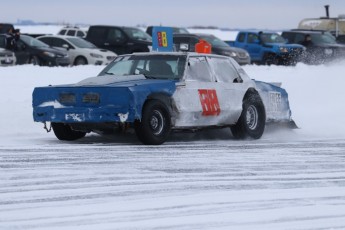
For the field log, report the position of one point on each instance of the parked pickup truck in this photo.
(268, 48)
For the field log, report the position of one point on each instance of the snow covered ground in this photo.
(288, 179)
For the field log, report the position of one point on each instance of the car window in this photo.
(214, 41)
(324, 38)
(299, 38)
(115, 35)
(58, 42)
(97, 32)
(80, 34)
(32, 41)
(137, 34)
(70, 32)
(241, 37)
(272, 38)
(223, 69)
(152, 66)
(81, 43)
(198, 70)
(47, 41)
(62, 32)
(252, 38)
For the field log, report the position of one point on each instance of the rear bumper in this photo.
(82, 115)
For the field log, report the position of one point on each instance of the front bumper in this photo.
(6, 60)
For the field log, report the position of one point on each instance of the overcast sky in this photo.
(263, 14)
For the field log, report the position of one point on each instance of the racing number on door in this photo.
(162, 39)
(209, 102)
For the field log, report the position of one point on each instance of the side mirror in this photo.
(184, 47)
(65, 46)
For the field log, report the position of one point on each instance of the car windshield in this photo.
(32, 41)
(137, 34)
(178, 30)
(272, 38)
(158, 66)
(214, 41)
(81, 43)
(324, 38)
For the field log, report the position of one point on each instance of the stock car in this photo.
(157, 93)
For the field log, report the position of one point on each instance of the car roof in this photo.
(186, 35)
(304, 31)
(59, 36)
(180, 53)
(110, 26)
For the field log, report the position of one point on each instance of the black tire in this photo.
(252, 120)
(270, 59)
(155, 125)
(80, 61)
(65, 133)
(34, 60)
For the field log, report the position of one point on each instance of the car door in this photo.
(22, 52)
(116, 40)
(196, 96)
(65, 45)
(230, 88)
(254, 46)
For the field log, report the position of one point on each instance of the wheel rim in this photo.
(252, 117)
(157, 122)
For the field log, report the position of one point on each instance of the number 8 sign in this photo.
(162, 39)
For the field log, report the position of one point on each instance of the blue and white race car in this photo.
(156, 93)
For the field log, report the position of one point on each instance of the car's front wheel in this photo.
(252, 120)
(65, 133)
(80, 61)
(155, 125)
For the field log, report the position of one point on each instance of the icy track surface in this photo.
(289, 179)
(180, 185)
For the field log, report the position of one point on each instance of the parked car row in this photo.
(102, 43)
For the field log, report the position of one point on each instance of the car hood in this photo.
(130, 81)
(337, 46)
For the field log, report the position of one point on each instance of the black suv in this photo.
(121, 40)
(5, 27)
(219, 47)
(323, 47)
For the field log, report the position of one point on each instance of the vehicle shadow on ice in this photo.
(179, 137)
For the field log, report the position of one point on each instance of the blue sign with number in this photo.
(162, 39)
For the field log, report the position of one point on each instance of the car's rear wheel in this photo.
(155, 125)
(65, 133)
(252, 120)
(80, 61)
